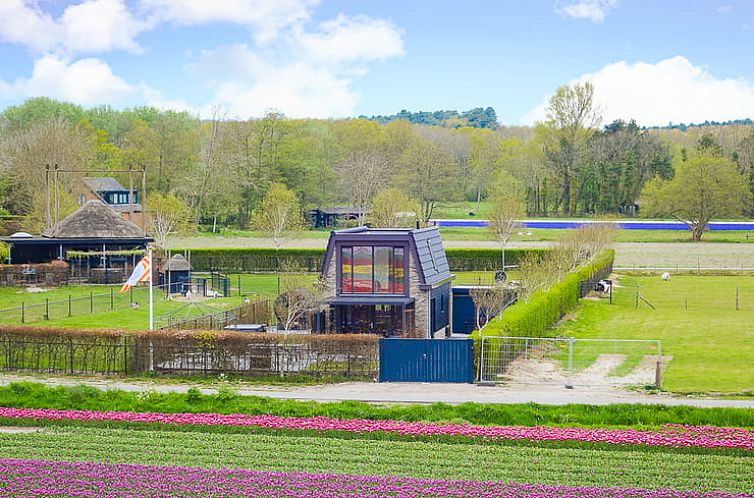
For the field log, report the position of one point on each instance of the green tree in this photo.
(278, 215)
(703, 188)
(429, 173)
(572, 116)
(391, 208)
(506, 211)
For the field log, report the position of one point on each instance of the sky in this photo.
(655, 61)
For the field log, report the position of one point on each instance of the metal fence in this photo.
(570, 362)
(248, 313)
(76, 306)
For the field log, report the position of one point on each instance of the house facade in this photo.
(392, 282)
(113, 194)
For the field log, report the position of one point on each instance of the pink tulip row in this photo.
(34, 478)
(667, 436)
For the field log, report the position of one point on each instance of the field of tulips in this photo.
(672, 436)
(625, 467)
(24, 478)
(87, 453)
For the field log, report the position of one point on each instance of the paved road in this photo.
(409, 392)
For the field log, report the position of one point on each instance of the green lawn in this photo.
(712, 344)
(566, 466)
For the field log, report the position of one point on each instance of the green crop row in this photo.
(566, 466)
(536, 317)
(34, 395)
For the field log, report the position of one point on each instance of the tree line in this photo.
(219, 170)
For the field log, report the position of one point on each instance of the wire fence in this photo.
(256, 312)
(76, 306)
(570, 362)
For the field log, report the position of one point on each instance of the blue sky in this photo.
(655, 61)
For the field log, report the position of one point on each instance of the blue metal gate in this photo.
(427, 360)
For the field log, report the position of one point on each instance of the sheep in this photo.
(665, 276)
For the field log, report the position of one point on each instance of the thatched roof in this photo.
(177, 263)
(94, 220)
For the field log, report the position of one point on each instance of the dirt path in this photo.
(554, 394)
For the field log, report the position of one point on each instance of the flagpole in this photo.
(151, 294)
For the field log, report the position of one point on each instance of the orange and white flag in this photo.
(142, 273)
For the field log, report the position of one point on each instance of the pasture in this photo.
(697, 318)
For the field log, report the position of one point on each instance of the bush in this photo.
(544, 309)
(310, 260)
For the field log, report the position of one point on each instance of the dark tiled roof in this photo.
(94, 220)
(431, 255)
(103, 184)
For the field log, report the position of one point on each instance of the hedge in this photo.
(123, 352)
(310, 260)
(536, 317)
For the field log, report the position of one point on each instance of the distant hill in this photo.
(477, 118)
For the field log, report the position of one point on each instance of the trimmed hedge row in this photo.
(310, 260)
(544, 309)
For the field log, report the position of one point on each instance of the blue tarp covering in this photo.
(625, 225)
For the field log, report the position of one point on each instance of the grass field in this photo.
(712, 343)
(96, 312)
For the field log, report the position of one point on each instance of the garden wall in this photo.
(310, 260)
(119, 352)
(537, 317)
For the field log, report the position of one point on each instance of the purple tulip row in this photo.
(27, 478)
(667, 436)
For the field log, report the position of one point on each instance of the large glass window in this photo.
(362, 269)
(372, 270)
(398, 275)
(382, 268)
(346, 268)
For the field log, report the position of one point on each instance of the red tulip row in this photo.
(667, 436)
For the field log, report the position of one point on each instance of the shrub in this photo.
(536, 317)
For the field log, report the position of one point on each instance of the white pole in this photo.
(151, 300)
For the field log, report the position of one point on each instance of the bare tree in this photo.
(363, 173)
(504, 219)
(167, 215)
(488, 302)
(299, 298)
(212, 159)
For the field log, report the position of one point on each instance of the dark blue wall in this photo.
(441, 310)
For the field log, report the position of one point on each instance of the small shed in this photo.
(176, 272)
(329, 217)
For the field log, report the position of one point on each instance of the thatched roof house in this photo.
(94, 233)
(94, 219)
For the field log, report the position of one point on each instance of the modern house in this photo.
(99, 245)
(113, 194)
(392, 282)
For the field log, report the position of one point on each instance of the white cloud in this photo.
(268, 17)
(90, 26)
(352, 39)
(308, 75)
(251, 84)
(671, 90)
(594, 10)
(86, 82)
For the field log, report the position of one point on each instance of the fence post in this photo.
(69, 305)
(569, 379)
(111, 298)
(47, 308)
(91, 302)
(23, 313)
(658, 371)
(70, 352)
